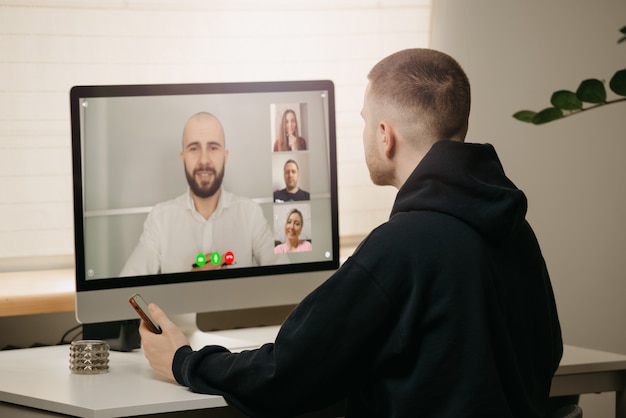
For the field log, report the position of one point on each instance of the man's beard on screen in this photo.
(204, 190)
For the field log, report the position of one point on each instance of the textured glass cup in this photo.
(89, 357)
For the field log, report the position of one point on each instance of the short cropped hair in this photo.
(291, 161)
(425, 86)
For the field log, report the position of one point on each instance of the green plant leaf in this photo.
(566, 100)
(547, 115)
(618, 83)
(525, 115)
(591, 91)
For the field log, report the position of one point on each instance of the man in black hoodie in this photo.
(446, 310)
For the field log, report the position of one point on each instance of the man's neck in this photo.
(292, 191)
(206, 206)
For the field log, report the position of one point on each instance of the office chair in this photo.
(568, 411)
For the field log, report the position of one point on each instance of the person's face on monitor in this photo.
(290, 123)
(291, 176)
(293, 227)
(204, 155)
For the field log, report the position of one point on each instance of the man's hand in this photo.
(159, 349)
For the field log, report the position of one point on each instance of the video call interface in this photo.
(278, 164)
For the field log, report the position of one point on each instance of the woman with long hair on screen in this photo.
(289, 138)
(293, 228)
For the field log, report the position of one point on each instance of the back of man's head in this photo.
(427, 89)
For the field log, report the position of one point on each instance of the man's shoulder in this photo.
(181, 201)
(286, 196)
(282, 195)
(418, 219)
(230, 197)
(414, 228)
(231, 200)
(424, 220)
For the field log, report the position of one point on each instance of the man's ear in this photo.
(388, 138)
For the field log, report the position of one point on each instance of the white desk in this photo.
(583, 370)
(40, 379)
(37, 382)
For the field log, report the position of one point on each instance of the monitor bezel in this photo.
(249, 276)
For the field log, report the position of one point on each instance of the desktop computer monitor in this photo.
(137, 229)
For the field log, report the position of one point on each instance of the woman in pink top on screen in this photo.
(293, 227)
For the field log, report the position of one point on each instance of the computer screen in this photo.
(273, 236)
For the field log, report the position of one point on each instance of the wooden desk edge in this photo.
(48, 291)
(37, 292)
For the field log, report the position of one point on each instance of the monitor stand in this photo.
(120, 335)
(234, 339)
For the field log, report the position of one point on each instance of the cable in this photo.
(62, 342)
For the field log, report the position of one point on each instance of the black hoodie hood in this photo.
(465, 181)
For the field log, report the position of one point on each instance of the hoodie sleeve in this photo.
(321, 348)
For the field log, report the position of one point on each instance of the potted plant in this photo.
(591, 94)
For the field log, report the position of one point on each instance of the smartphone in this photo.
(141, 307)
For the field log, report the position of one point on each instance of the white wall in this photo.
(516, 55)
(49, 46)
